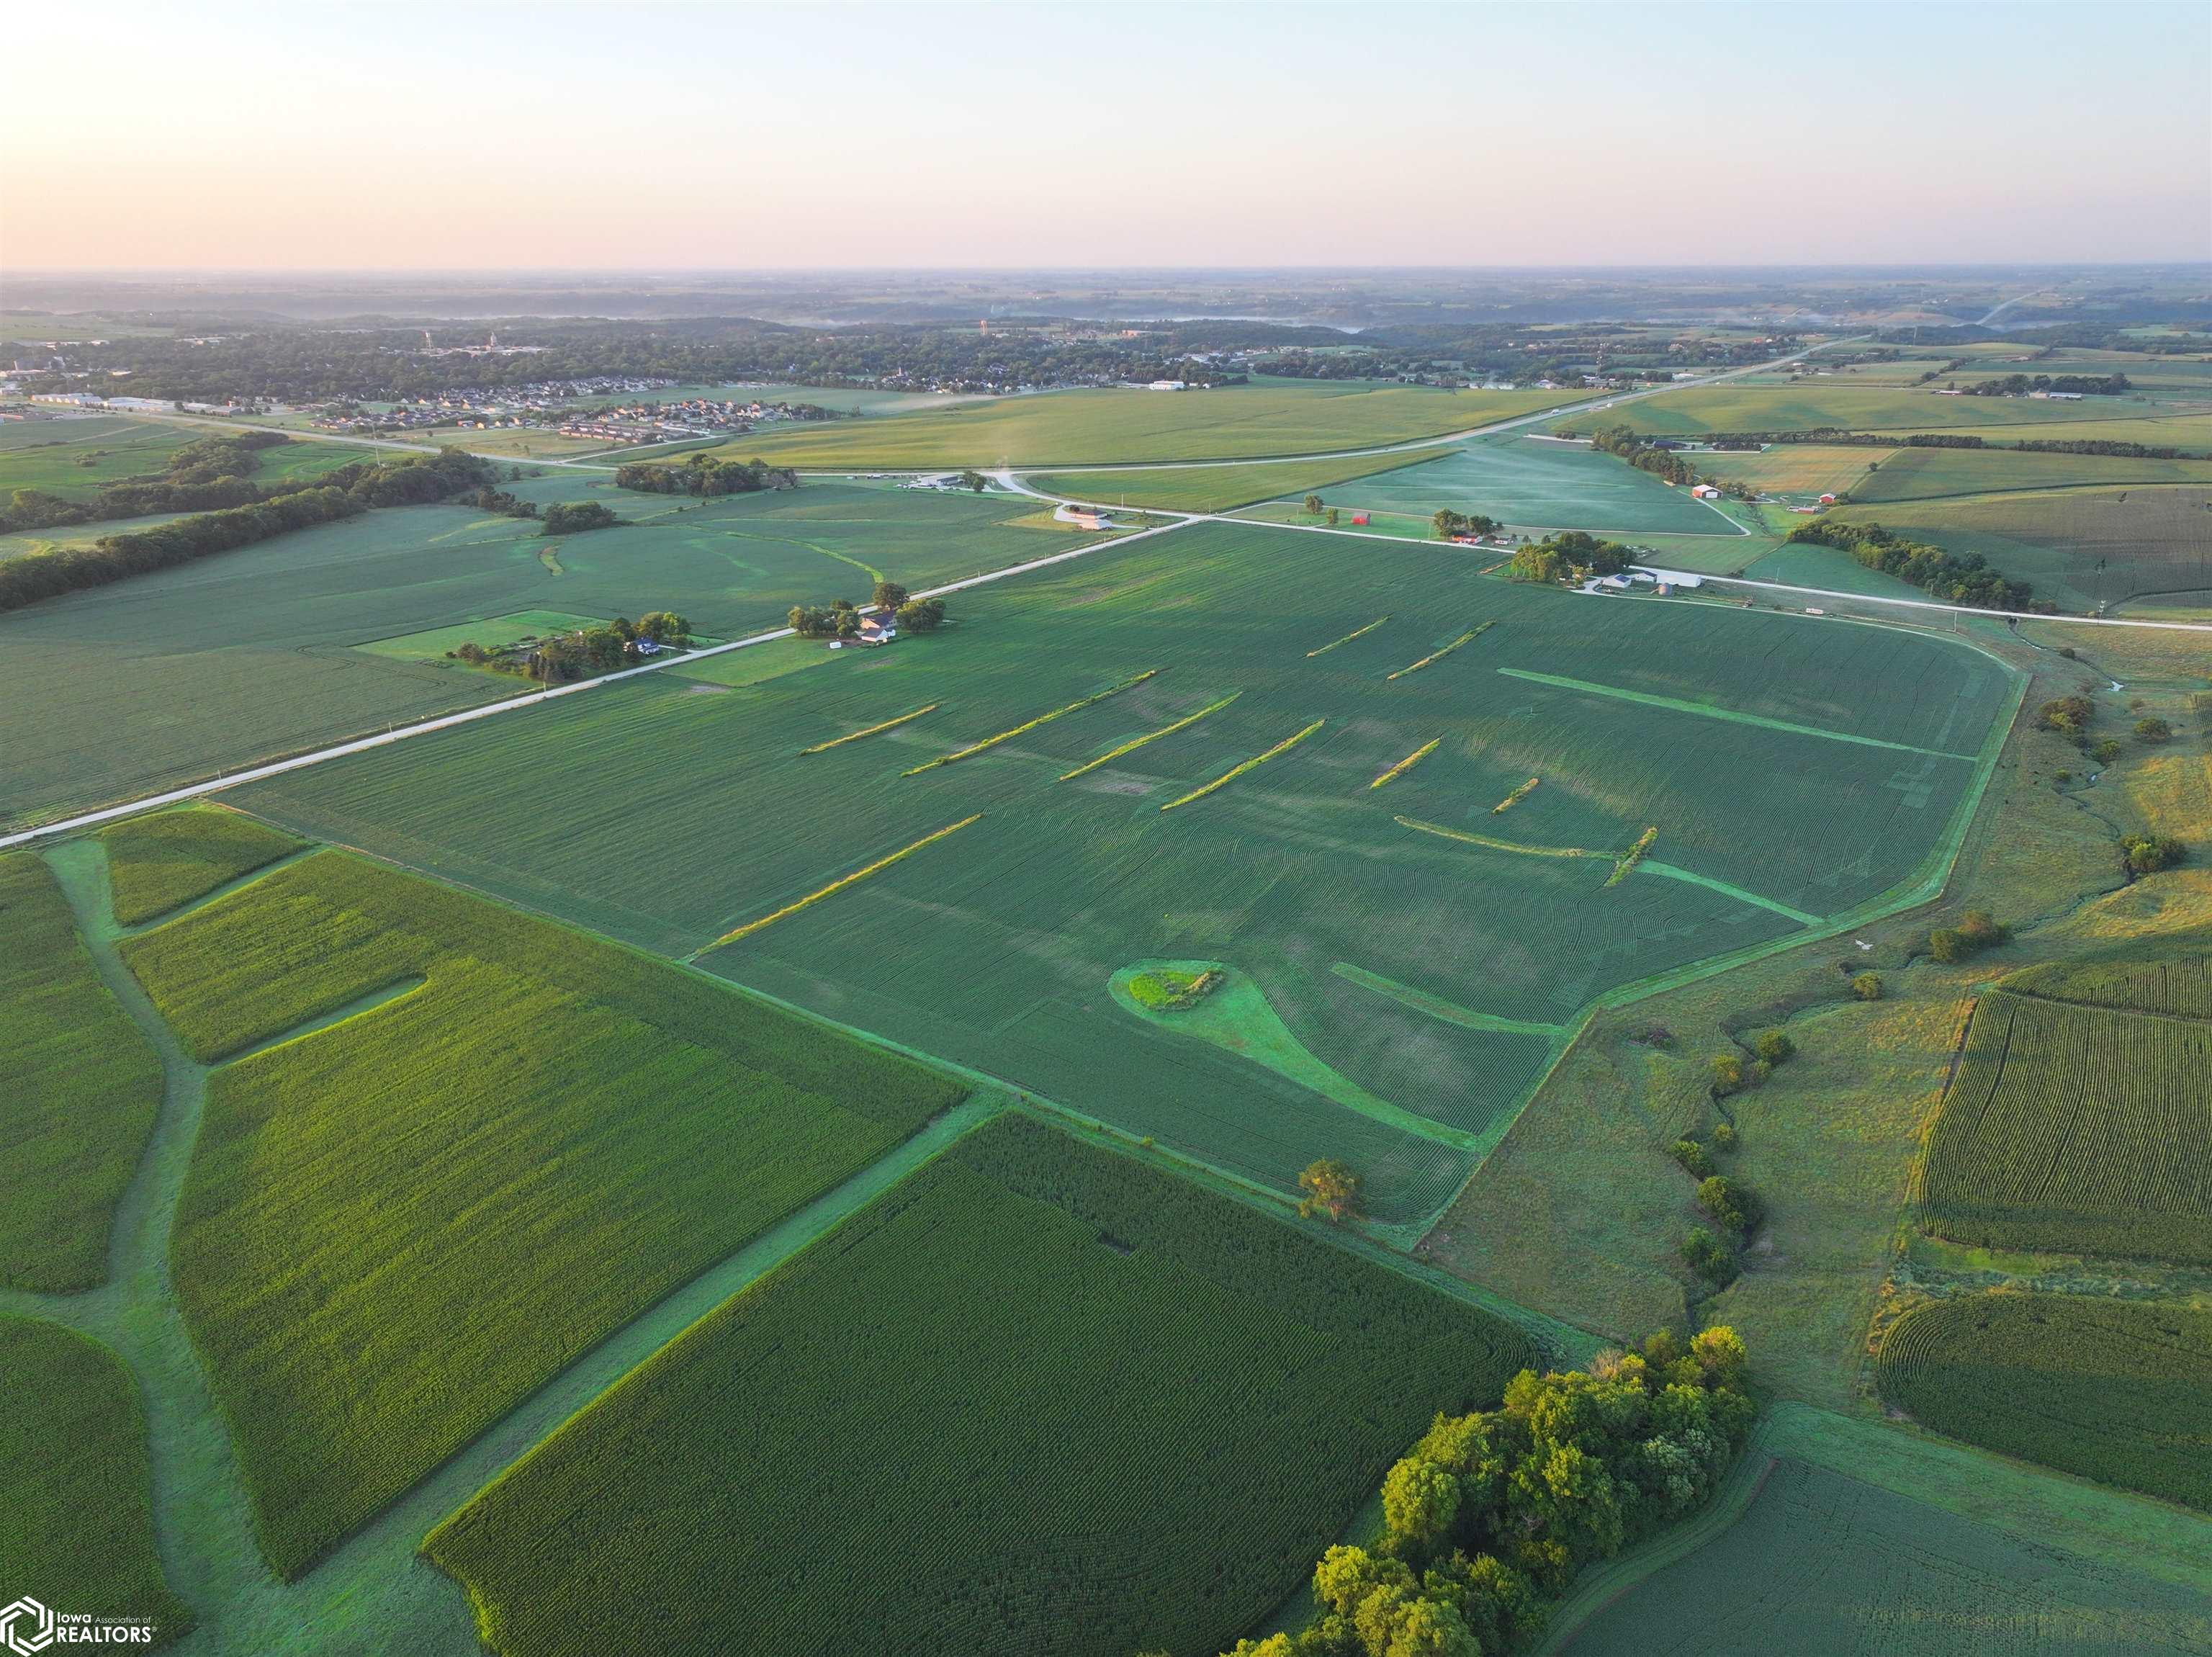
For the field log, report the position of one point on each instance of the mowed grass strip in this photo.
(841, 883)
(1407, 762)
(1253, 764)
(854, 736)
(1135, 743)
(1030, 725)
(79, 1090)
(2079, 1130)
(1355, 633)
(397, 1227)
(2116, 1390)
(1710, 710)
(157, 863)
(1438, 655)
(76, 1532)
(1219, 1389)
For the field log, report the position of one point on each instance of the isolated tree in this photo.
(1331, 516)
(1774, 1047)
(974, 479)
(1313, 505)
(1867, 986)
(2146, 853)
(1332, 1190)
(888, 595)
(1727, 1073)
(2154, 730)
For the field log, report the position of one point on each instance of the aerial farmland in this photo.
(1504, 952)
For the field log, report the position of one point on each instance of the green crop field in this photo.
(1796, 468)
(79, 1088)
(76, 1532)
(73, 458)
(170, 677)
(1527, 482)
(1038, 1397)
(2085, 1129)
(1821, 1565)
(1077, 428)
(563, 1131)
(996, 946)
(435, 644)
(2152, 545)
(2116, 1390)
(1812, 404)
(158, 863)
(1215, 489)
(1916, 474)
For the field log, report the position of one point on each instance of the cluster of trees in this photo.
(2146, 854)
(1959, 578)
(702, 474)
(841, 618)
(573, 517)
(489, 499)
(1448, 522)
(1644, 457)
(1977, 930)
(1329, 1189)
(343, 494)
(205, 476)
(2082, 385)
(592, 650)
(1570, 555)
(1488, 1519)
(2106, 446)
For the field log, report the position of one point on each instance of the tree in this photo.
(2154, 730)
(888, 595)
(919, 615)
(2146, 854)
(1332, 515)
(1774, 1047)
(1692, 1157)
(1727, 1073)
(1867, 986)
(2069, 715)
(572, 517)
(1420, 1500)
(1332, 1189)
(973, 479)
(1313, 505)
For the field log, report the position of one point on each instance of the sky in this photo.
(460, 136)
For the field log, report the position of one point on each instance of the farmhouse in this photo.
(874, 629)
(1083, 517)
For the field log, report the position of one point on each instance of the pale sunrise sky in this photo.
(457, 136)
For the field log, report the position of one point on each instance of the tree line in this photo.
(1834, 435)
(203, 476)
(704, 475)
(2079, 385)
(344, 493)
(1489, 1519)
(1959, 578)
(1568, 555)
(1661, 462)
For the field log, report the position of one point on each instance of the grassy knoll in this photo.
(316, 636)
(994, 949)
(1075, 428)
(79, 1088)
(1823, 1565)
(1525, 481)
(2081, 1128)
(77, 1533)
(158, 863)
(2154, 543)
(2116, 1390)
(1083, 1499)
(1811, 405)
(1214, 489)
(580, 1127)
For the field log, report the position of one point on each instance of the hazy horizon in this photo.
(474, 139)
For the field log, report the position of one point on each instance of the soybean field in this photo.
(1037, 1397)
(1794, 771)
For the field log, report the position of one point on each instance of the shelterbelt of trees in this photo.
(701, 474)
(344, 493)
(1957, 578)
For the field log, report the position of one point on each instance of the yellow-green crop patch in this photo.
(562, 1132)
(79, 1088)
(1078, 428)
(1219, 1391)
(157, 862)
(492, 633)
(76, 1532)
(1217, 488)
